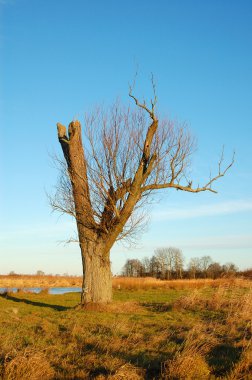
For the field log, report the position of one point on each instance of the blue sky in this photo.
(60, 58)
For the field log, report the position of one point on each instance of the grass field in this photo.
(185, 330)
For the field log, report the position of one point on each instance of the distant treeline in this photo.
(169, 264)
(40, 273)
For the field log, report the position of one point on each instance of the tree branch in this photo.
(143, 105)
(189, 188)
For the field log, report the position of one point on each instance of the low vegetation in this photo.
(153, 329)
(41, 281)
(9, 282)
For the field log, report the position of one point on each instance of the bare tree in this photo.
(128, 155)
(215, 270)
(205, 262)
(229, 269)
(164, 262)
(194, 267)
(155, 268)
(146, 266)
(133, 268)
(170, 261)
(40, 273)
(178, 262)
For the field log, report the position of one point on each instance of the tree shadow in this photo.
(223, 357)
(148, 361)
(157, 307)
(35, 303)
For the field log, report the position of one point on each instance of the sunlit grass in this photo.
(157, 332)
(29, 281)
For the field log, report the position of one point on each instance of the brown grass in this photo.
(229, 297)
(189, 361)
(127, 372)
(150, 282)
(243, 367)
(29, 281)
(28, 365)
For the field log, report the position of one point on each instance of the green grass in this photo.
(144, 334)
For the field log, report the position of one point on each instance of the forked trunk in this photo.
(97, 277)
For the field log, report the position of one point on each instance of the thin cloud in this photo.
(224, 208)
(214, 242)
(239, 241)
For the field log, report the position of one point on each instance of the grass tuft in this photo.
(189, 361)
(28, 364)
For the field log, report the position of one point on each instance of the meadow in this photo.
(181, 329)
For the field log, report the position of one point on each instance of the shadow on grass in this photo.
(157, 307)
(35, 303)
(150, 362)
(223, 357)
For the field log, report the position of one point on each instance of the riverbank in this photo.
(21, 281)
(31, 281)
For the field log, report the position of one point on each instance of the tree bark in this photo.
(97, 277)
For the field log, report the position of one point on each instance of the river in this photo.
(38, 290)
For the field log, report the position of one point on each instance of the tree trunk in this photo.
(97, 277)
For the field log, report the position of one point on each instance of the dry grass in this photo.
(30, 281)
(242, 369)
(234, 298)
(228, 311)
(189, 361)
(129, 307)
(157, 332)
(153, 283)
(127, 372)
(28, 365)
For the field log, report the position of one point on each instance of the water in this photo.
(64, 290)
(38, 290)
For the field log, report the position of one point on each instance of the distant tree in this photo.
(205, 262)
(170, 261)
(229, 269)
(214, 270)
(194, 267)
(104, 187)
(133, 268)
(247, 273)
(178, 262)
(146, 266)
(40, 273)
(164, 260)
(155, 269)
